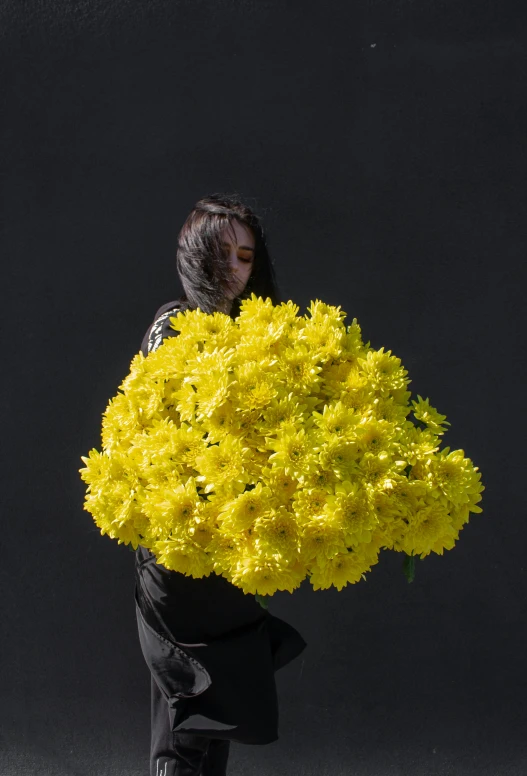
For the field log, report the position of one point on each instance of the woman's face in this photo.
(239, 247)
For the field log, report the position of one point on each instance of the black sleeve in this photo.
(160, 328)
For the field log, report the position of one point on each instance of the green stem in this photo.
(409, 567)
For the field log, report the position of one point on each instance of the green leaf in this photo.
(262, 600)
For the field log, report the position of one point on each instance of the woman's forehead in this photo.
(238, 232)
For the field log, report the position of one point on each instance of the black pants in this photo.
(182, 754)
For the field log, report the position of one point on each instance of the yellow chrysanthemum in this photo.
(355, 392)
(428, 527)
(325, 479)
(262, 344)
(352, 342)
(323, 338)
(321, 312)
(453, 476)
(214, 329)
(184, 556)
(240, 513)
(351, 510)
(262, 331)
(309, 502)
(122, 419)
(206, 363)
(211, 394)
(282, 485)
(429, 415)
(406, 496)
(337, 454)
(383, 371)
(373, 469)
(97, 469)
(343, 568)
(223, 465)
(386, 408)
(256, 310)
(220, 422)
(226, 548)
(333, 376)
(187, 443)
(278, 533)
(416, 446)
(322, 539)
(252, 390)
(193, 324)
(172, 507)
(275, 446)
(338, 420)
(265, 575)
(300, 369)
(293, 452)
(281, 410)
(186, 402)
(460, 515)
(383, 506)
(374, 436)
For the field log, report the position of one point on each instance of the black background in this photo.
(384, 145)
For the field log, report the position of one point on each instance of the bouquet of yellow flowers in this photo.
(273, 447)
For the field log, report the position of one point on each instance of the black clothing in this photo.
(160, 326)
(181, 754)
(212, 651)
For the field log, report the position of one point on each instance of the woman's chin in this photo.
(231, 294)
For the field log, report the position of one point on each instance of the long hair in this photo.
(202, 266)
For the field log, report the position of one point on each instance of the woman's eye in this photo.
(246, 258)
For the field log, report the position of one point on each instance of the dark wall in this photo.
(384, 145)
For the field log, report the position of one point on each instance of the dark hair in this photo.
(201, 262)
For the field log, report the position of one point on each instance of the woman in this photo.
(212, 650)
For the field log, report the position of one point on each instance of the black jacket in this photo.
(211, 648)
